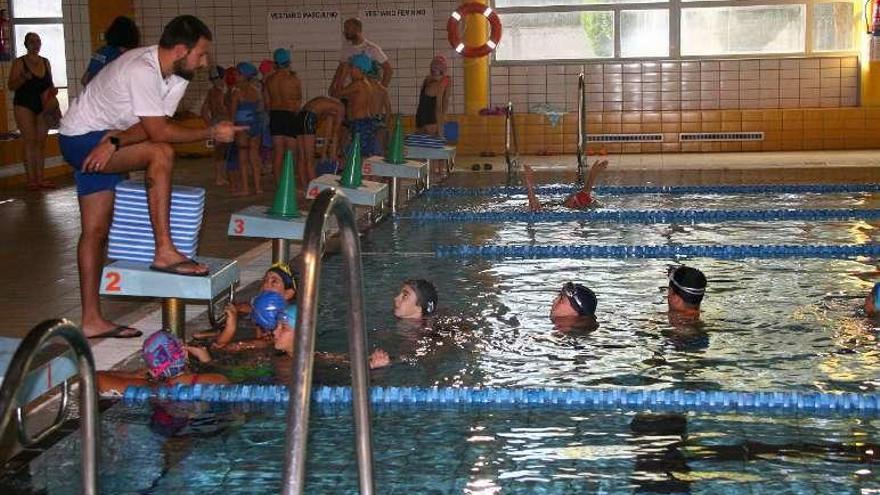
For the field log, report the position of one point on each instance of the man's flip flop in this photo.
(120, 332)
(174, 268)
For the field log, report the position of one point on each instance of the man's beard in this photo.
(351, 37)
(180, 70)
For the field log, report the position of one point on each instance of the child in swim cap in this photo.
(579, 200)
(166, 359)
(687, 286)
(417, 299)
(278, 279)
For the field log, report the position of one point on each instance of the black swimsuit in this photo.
(426, 114)
(30, 94)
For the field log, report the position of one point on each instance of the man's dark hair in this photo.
(123, 33)
(689, 284)
(184, 30)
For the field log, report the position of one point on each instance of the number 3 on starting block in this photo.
(113, 281)
(238, 227)
(368, 168)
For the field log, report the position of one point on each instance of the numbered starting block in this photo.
(410, 170)
(446, 153)
(371, 194)
(136, 279)
(256, 221)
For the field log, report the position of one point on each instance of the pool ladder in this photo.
(329, 202)
(88, 392)
(581, 126)
(511, 149)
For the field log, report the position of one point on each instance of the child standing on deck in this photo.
(245, 110)
(213, 111)
(359, 114)
(433, 99)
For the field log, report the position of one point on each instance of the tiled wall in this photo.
(688, 85)
(240, 33)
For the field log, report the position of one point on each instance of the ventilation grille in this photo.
(721, 136)
(624, 138)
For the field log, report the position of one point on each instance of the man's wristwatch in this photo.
(115, 142)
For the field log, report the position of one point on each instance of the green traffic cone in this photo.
(352, 175)
(394, 153)
(285, 197)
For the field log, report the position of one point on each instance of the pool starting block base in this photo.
(370, 193)
(421, 153)
(411, 170)
(130, 278)
(256, 221)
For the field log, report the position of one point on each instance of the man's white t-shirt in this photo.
(369, 48)
(130, 87)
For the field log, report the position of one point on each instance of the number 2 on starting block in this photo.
(113, 280)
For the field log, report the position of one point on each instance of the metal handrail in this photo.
(14, 380)
(582, 125)
(511, 148)
(328, 202)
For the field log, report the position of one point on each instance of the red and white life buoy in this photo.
(455, 37)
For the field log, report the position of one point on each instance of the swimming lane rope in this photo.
(644, 216)
(654, 189)
(665, 251)
(814, 402)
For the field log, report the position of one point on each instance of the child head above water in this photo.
(872, 302)
(417, 299)
(165, 355)
(279, 278)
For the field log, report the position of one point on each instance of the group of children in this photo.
(268, 101)
(273, 313)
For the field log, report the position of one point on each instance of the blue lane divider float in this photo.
(598, 398)
(652, 189)
(666, 251)
(645, 216)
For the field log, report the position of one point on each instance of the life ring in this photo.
(455, 37)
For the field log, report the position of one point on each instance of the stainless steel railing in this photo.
(328, 202)
(582, 126)
(511, 148)
(14, 380)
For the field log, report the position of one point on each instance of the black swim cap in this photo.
(689, 283)
(581, 298)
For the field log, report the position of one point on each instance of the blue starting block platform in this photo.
(45, 374)
(136, 279)
(433, 153)
(409, 170)
(370, 193)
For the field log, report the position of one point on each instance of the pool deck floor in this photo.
(40, 229)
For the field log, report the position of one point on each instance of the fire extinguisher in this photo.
(5, 54)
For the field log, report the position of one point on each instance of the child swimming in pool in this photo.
(872, 302)
(166, 358)
(579, 200)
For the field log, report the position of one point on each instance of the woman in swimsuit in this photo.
(30, 77)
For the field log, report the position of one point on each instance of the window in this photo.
(43, 17)
(621, 29)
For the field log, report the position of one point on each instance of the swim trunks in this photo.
(283, 123)
(75, 149)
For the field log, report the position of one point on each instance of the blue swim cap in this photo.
(281, 56)
(362, 61)
(876, 292)
(267, 308)
(247, 69)
(290, 314)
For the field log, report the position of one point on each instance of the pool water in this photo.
(212, 449)
(777, 324)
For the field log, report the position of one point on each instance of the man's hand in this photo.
(97, 159)
(224, 131)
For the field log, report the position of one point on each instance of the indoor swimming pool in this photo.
(782, 324)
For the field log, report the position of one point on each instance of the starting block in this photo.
(411, 170)
(370, 193)
(443, 153)
(256, 221)
(130, 278)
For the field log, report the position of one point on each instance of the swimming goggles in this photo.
(570, 292)
(670, 274)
